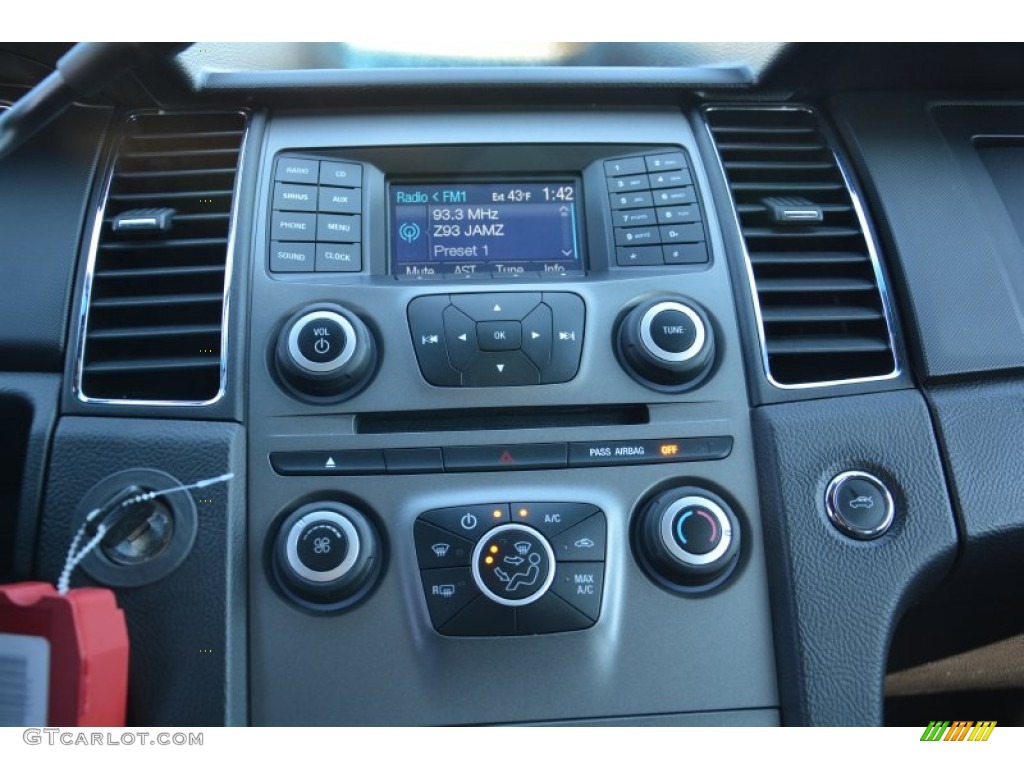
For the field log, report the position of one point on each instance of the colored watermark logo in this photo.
(958, 730)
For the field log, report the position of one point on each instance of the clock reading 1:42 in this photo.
(564, 194)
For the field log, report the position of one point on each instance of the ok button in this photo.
(499, 335)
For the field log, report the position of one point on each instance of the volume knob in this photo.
(325, 353)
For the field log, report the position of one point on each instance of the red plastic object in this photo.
(88, 648)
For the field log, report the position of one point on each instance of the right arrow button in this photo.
(536, 339)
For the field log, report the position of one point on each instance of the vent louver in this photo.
(817, 282)
(153, 328)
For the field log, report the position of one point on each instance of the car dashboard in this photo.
(578, 395)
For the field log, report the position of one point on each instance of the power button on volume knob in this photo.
(325, 353)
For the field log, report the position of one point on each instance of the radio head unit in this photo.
(463, 228)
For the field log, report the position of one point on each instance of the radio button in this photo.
(496, 306)
(459, 337)
(297, 169)
(537, 336)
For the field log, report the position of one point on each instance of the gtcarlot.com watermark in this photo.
(77, 738)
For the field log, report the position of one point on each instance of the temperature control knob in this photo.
(687, 539)
(327, 556)
(666, 344)
(325, 353)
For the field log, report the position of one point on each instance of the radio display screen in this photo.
(492, 228)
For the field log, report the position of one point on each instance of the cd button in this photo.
(341, 174)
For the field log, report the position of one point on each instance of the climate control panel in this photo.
(524, 568)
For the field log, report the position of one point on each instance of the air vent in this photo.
(154, 310)
(816, 278)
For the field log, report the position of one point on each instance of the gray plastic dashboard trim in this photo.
(866, 232)
(90, 268)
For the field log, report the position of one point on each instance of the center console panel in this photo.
(500, 460)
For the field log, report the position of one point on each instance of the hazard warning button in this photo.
(489, 458)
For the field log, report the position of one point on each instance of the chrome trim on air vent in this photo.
(866, 232)
(83, 319)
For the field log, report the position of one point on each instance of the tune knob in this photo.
(325, 353)
(327, 556)
(666, 344)
(687, 539)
